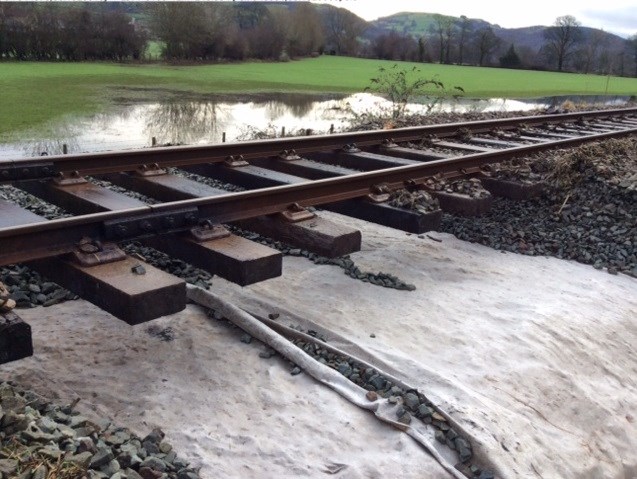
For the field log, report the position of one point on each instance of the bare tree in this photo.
(632, 43)
(465, 29)
(305, 34)
(487, 42)
(562, 38)
(587, 57)
(444, 29)
(342, 29)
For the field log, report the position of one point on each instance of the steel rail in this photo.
(38, 240)
(47, 167)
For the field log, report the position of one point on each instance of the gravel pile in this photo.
(189, 273)
(384, 280)
(419, 200)
(520, 172)
(41, 440)
(29, 289)
(32, 203)
(471, 187)
(587, 213)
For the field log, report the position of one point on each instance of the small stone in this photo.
(82, 459)
(438, 417)
(156, 436)
(8, 467)
(295, 371)
(393, 400)
(165, 447)
(371, 396)
(411, 401)
(273, 316)
(132, 474)
(405, 418)
(101, 458)
(154, 463)
(111, 468)
(424, 411)
(246, 338)
(378, 383)
(138, 269)
(345, 369)
(440, 437)
(267, 354)
(486, 475)
(372, 335)
(186, 474)
(464, 453)
(150, 447)
(40, 472)
(147, 473)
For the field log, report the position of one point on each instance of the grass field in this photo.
(34, 93)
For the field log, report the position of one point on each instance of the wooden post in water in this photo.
(65, 149)
(223, 137)
(282, 131)
(154, 141)
(332, 129)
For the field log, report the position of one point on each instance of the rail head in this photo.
(175, 156)
(44, 239)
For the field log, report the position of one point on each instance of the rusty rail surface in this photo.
(45, 239)
(47, 167)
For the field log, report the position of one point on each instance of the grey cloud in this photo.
(622, 21)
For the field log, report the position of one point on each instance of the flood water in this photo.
(205, 121)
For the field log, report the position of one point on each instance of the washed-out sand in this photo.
(536, 358)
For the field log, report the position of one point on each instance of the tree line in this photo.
(217, 31)
(50, 31)
(567, 46)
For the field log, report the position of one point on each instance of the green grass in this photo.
(32, 94)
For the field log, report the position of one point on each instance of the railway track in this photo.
(352, 173)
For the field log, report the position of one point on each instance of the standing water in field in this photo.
(190, 121)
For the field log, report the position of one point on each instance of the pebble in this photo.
(28, 422)
(296, 370)
(371, 396)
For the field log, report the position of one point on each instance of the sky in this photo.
(615, 16)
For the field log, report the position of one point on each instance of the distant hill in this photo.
(415, 24)
(419, 24)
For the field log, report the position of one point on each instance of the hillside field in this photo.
(35, 93)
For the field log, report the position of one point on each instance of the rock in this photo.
(111, 468)
(147, 473)
(486, 475)
(440, 437)
(267, 354)
(405, 418)
(187, 474)
(411, 401)
(424, 411)
(246, 338)
(165, 447)
(436, 416)
(8, 467)
(154, 463)
(371, 396)
(101, 458)
(156, 436)
(132, 474)
(378, 382)
(40, 472)
(83, 459)
(345, 369)
(296, 370)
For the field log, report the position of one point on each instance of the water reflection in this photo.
(184, 122)
(190, 121)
